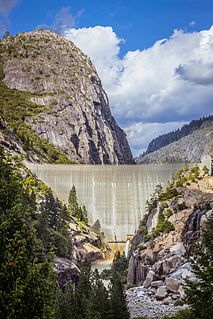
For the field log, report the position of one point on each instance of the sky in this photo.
(154, 57)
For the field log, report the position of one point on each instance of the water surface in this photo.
(113, 194)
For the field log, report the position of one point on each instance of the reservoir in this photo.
(113, 194)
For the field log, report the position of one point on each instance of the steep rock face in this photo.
(77, 116)
(190, 148)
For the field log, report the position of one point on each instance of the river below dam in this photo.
(113, 194)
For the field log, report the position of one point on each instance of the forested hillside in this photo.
(176, 135)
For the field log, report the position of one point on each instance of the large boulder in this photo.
(172, 284)
(66, 271)
(149, 279)
(161, 293)
(170, 264)
(178, 249)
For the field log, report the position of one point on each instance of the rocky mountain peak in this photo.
(76, 116)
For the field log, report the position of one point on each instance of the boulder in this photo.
(66, 270)
(147, 256)
(161, 293)
(172, 284)
(170, 264)
(140, 293)
(149, 278)
(178, 250)
(158, 268)
(157, 283)
(168, 300)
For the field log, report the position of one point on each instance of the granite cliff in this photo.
(55, 95)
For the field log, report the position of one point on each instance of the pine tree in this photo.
(75, 210)
(26, 279)
(100, 298)
(200, 292)
(73, 201)
(117, 298)
(84, 216)
(120, 266)
(65, 303)
(6, 35)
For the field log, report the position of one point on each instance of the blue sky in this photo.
(147, 20)
(154, 57)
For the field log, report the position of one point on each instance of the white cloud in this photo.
(139, 134)
(197, 72)
(102, 45)
(192, 23)
(166, 83)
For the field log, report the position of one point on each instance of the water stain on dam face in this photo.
(113, 194)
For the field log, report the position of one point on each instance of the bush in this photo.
(205, 170)
(142, 229)
(164, 226)
(179, 183)
(179, 302)
(168, 212)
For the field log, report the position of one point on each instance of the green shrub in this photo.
(182, 206)
(147, 237)
(168, 212)
(205, 170)
(179, 183)
(142, 229)
(163, 224)
(178, 302)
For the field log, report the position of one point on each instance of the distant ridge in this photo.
(187, 144)
(176, 135)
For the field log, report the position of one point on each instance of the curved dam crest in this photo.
(113, 194)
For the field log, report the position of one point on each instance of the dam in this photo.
(115, 195)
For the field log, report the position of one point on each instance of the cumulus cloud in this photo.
(166, 83)
(102, 45)
(197, 72)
